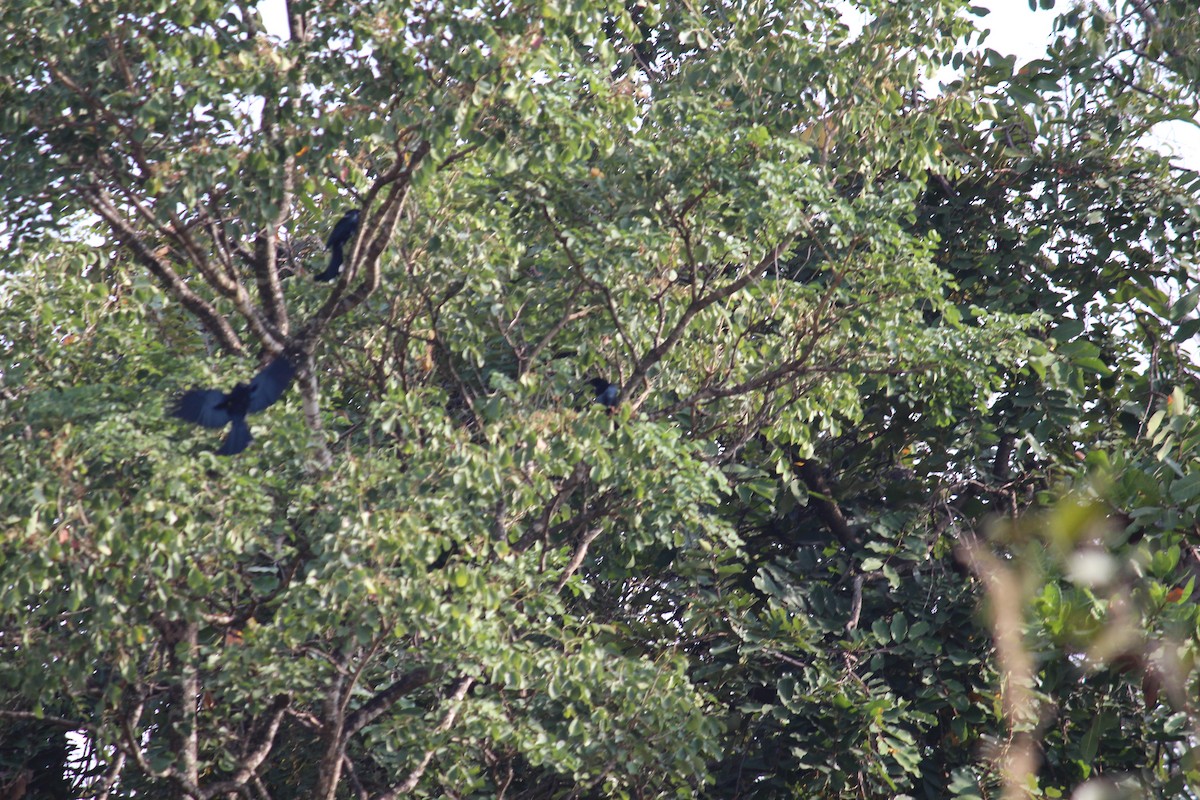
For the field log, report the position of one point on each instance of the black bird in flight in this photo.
(213, 408)
(342, 233)
(606, 393)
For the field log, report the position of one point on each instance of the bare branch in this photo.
(131, 745)
(581, 548)
(569, 315)
(112, 776)
(375, 234)
(856, 601)
(250, 764)
(827, 507)
(297, 23)
(541, 527)
(360, 791)
(369, 711)
(462, 686)
(62, 722)
(204, 311)
(657, 353)
(266, 261)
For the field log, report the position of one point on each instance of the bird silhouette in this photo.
(606, 393)
(213, 408)
(342, 233)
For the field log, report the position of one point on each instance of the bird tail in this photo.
(335, 265)
(239, 438)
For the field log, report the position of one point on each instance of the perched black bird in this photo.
(606, 393)
(342, 233)
(213, 408)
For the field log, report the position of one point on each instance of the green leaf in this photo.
(1186, 488)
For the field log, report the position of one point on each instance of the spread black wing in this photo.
(270, 384)
(203, 407)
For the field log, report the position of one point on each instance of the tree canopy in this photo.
(897, 496)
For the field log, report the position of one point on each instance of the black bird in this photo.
(606, 393)
(213, 408)
(342, 233)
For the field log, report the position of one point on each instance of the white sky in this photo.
(1016, 29)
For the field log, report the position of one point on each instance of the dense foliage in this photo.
(899, 499)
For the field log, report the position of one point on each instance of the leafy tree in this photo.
(854, 323)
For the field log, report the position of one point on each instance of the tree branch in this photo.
(250, 764)
(462, 686)
(376, 232)
(581, 548)
(541, 527)
(204, 311)
(827, 508)
(660, 350)
(266, 261)
(369, 711)
(63, 722)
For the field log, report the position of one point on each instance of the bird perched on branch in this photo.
(606, 393)
(213, 408)
(342, 233)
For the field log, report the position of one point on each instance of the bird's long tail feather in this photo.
(335, 265)
(239, 438)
